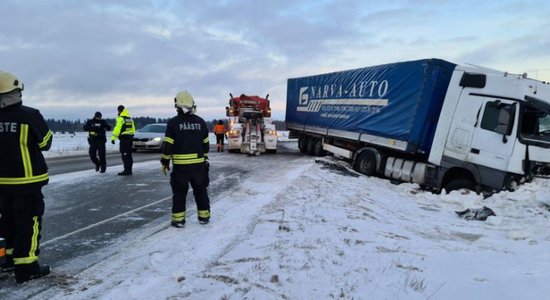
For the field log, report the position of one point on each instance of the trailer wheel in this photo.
(302, 144)
(318, 148)
(311, 146)
(365, 163)
(460, 183)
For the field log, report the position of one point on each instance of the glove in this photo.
(112, 142)
(164, 169)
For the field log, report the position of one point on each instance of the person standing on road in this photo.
(96, 128)
(186, 144)
(124, 131)
(24, 134)
(219, 131)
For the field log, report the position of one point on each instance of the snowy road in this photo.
(86, 211)
(62, 164)
(88, 214)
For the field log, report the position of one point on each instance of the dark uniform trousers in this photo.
(21, 223)
(97, 149)
(179, 181)
(126, 151)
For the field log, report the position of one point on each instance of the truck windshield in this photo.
(535, 123)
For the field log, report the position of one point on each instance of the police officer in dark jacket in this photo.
(186, 144)
(23, 172)
(96, 128)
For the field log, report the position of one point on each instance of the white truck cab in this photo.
(494, 128)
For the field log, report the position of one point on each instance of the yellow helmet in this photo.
(185, 101)
(9, 82)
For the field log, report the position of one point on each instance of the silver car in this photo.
(149, 137)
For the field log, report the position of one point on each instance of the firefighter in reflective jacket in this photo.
(186, 144)
(124, 131)
(23, 173)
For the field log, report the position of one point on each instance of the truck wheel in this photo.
(311, 146)
(460, 183)
(318, 148)
(302, 144)
(365, 163)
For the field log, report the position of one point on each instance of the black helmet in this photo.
(97, 115)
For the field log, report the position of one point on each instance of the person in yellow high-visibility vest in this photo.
(124, 131)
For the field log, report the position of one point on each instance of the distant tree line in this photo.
(68, 126)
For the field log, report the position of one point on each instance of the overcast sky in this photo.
(77, 57)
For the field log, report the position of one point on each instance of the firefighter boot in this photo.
(26, 272)
(178, 224)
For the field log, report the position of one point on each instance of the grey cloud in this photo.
(73, 51)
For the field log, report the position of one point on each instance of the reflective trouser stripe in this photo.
(34, 246)
(9, 251)
(204, 214)
(178, 217)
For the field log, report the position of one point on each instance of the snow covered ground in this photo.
(313, 229)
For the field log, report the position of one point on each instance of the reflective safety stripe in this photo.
(9, 251)
(164, 156)
(46, 139)
(34, 238)
(187, 161)
(206, 140)
(169, 140)
(185, 156)
(24, 180)
(204, 214)
(178, 217)
(24, 260)
(93, 133)
(25, 156)
(34, 246)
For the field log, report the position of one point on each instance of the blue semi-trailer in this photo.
(428, 121)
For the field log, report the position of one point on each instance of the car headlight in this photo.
(157, 139)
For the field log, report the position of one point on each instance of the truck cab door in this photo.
(494, 134)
